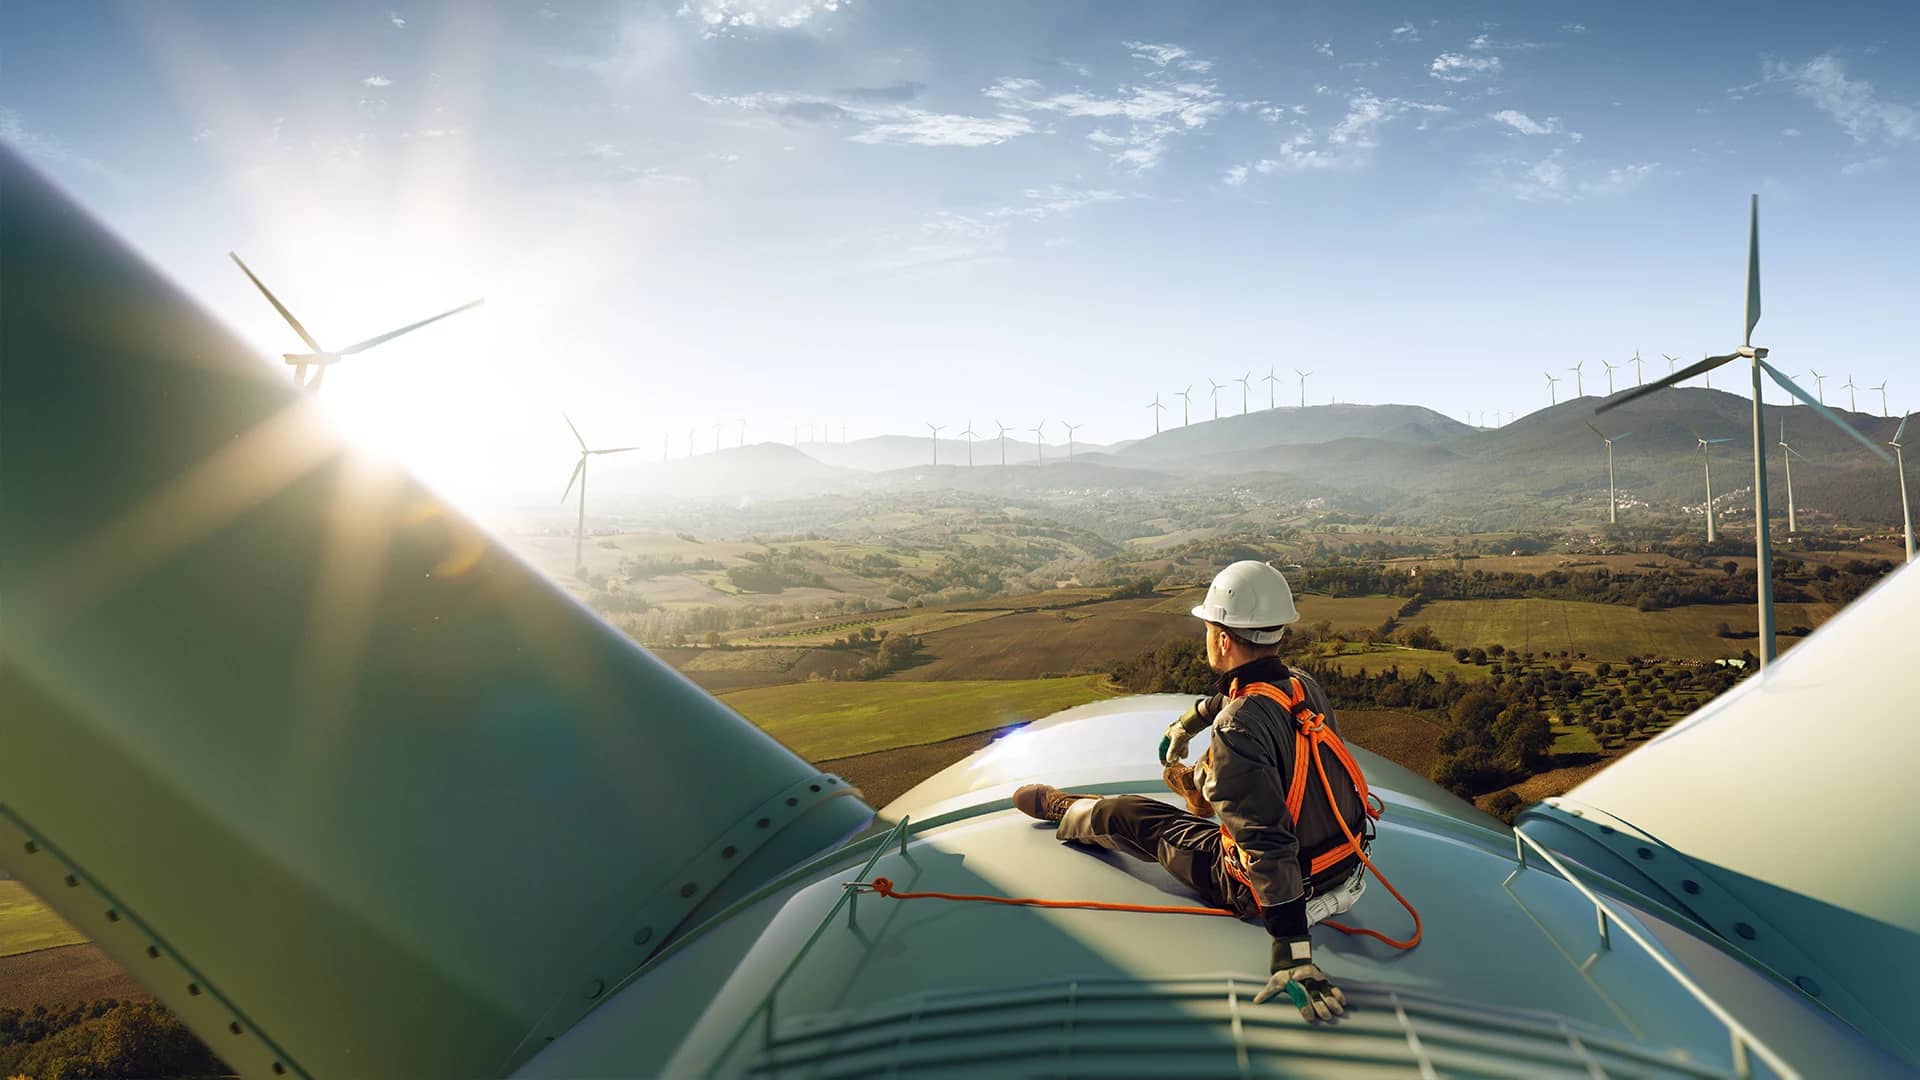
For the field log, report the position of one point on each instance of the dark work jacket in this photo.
(1245, 774)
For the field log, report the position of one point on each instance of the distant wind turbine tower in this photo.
(1848, 387)
(717, 429)
(971, 435)
(1819, 385)
(1270, 378)
(743, 433)
(1553, 388)
(1003, 441)
(1217, 387)
(1883, 396)
(1613, 501)
(1039, 446)
(1900, 464)
(1071, 428)
(936, 441)
(1763, 541)
(1579, 388)
(321, 358)
(1156, 409)
(580, 474)
(1639, 369)
(1303, 385)
(1245, 381)
(1707, 465)
(1787, 455)
(1186, 405)
(1609, 365)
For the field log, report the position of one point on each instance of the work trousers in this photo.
(1189, 847)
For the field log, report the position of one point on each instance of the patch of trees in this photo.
(107, 1037)
(1178, 667)
(895, 652)
(643, 567)
(773, 572)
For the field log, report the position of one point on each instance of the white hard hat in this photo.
(1250, 597)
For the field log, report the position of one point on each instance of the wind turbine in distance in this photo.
(1579, 388)
(971, 435)
(1186, 404)
(743, 433)
(1819, 389)
(1787, 455)
(1270, 378)
(717, 428)
(1763, 541)
(1609, 365)
(936, 442)
(1244, 381)
(1156, 408)
(1039, 447)
(1900, 464)
(1071, 428)
(580, 474)
(1708, 466)
(1639, 369)
(1217, 387)
(1003, 441)
(1612, 502)
(1553, 390)
(1303, 385)
(1883, 396)
(320, 357)
(1848, 387)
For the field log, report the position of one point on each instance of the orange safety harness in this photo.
(1313, 733)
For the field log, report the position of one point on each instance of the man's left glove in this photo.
(1305, 985)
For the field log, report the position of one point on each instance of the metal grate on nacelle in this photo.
(1199, 1026)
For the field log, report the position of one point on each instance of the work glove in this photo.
(1180, 733)
(1305, 985)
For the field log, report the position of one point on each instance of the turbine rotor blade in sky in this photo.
(391, 334)
(1682, 375)
(1753, 272)
(577, 466)
(614, 450)
(576, 431)
(1828, 414)
(1901, 430)
(277, 305)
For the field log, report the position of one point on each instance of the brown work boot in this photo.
(1044, 801)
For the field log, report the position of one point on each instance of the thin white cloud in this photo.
(1324, 48)
(1044, 202)
(398, 20)
(1558, 179)
(1526, 125)
(1236, 176)
(1791, 133)
(1161, 108)
(376, 81)
(50, 151)
(1852, 103)
(1574, 27)
(726, 18)
(1405, 32)
(203, 135)
(1161, 56)
(605, 151)
(881, 117)
(1457, 67)
(1350, 143)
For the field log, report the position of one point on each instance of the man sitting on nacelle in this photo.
(1278, 850)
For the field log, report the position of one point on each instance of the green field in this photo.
(1605, 631)
(825, 720)
(1573, 739)
(26, 925)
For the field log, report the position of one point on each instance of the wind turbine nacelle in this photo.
(1752, 352)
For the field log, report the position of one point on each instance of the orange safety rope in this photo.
(884, 887)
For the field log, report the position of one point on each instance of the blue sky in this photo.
(816, 210)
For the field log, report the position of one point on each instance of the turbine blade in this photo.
(391, 334)
(1595, 430)
(575, 430)
(614, 450)
(1797, 453)
(1902, 429)
(319, 376)
(1753, 271)
(1831, 417)
(577, 466)
(277, 305)
(1622, 435)
(1682, 375)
